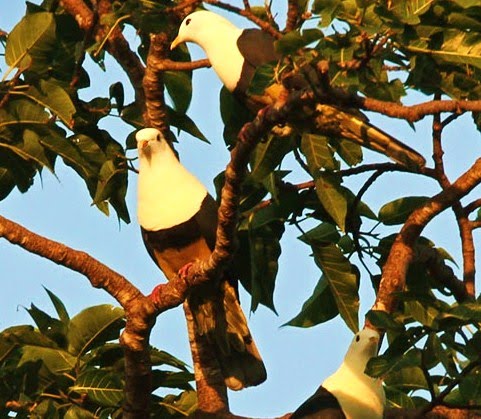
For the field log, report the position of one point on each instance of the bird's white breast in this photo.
(168, 194)
(360, 396)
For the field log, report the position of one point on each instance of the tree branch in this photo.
(84, 16)
(464, 226)
(401, 254)
(156, 111)
(336, 96)
(169, 65)
(247, 13)
(116, 44)
(119, 48)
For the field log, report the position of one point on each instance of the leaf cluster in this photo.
(74, 367)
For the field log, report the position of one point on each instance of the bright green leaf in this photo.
(332, 198)
(343, 283)
(179, 86)
(102, 387)
(56, 360)
(397, 211)
(30, 41)
(318, 153)
(93, 327)
(318, 308)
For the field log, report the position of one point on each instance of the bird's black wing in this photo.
(257, 48)
(206, 219)
(321, 405)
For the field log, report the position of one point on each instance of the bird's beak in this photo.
(175, 43)
(143, 144)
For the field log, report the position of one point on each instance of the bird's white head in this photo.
(202, 28)
(363, 347)
(150, 141)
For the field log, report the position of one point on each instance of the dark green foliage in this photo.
(74, 367)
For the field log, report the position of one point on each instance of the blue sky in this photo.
(297, 359)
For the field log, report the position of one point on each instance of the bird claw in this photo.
(155, 295)
(184, 271)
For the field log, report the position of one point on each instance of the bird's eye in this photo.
(358, 338)
(158, 137)
(187, 22)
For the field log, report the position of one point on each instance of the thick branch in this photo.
(401, 254)
(293, 15)
(156, 113)
(81, 13)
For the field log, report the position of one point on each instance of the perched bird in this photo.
(178, 220)
(235, 54)
(349, 392)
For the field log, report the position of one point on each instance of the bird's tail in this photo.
(221, 320)
(334, 121)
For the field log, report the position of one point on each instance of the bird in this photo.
(236, 53)
(349, 392)
(178, 222)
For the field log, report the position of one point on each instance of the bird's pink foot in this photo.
(155, 295)
(184, 271)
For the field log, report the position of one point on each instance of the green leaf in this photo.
(56, 360)
(59, 306)
(398, 399)
(268, 155)
(93, 327)
(76, 412)
(343, 282)
(53, 97)
(384, 320)
(158, 357)
(458, 48)
(179, 86)
(349, 151)
(185, 404)
(322, 234)
(25, 335)
(170, 379)
(294, 40)
(23, 111)
(396, 357)
(398, 211)
(424, 313)
(257, 262)
(318, 308)
(30, 41)
(102, 387)
(409, 378)
(327, 10)
(318, 153)
(234, 115)
(34, 149)
(184, 123)
(50, 327)
(332, 198)
(264, 76)
(470, 388)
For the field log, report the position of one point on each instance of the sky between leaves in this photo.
(59, 208)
